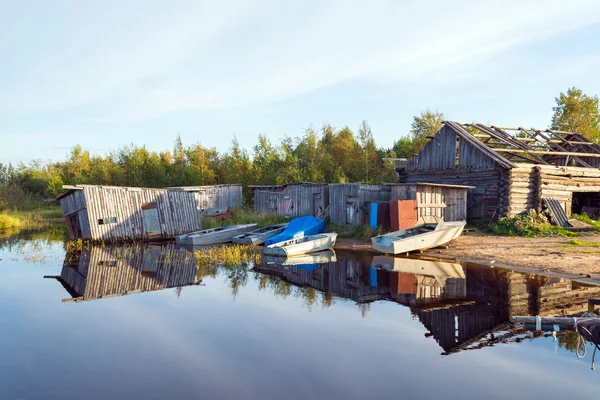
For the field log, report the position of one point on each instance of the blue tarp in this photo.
(373, 211)
(298, 228)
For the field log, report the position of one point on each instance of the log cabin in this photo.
(511, 169)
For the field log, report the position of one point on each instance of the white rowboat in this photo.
(222, 234)
(307, 244)
(258, 236)
(428, 233)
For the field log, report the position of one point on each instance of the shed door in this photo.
(151, 220)
(272, 204)
(352, 214)
(288, 206)
(476, 203)
(407, 214)
(151, 259)
(74, 227)
(318, 211)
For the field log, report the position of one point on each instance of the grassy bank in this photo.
(16, 220)
(533, 224)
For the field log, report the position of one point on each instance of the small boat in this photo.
(258, 236)
(428, 233)
(307, 244)
(321, 257)
(298, 228)
(222, 234)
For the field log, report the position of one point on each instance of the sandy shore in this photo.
(555, 256)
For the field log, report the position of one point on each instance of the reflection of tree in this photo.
(364, 309)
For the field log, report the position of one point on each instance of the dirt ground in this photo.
(555, 256)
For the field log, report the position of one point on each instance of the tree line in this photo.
(325, 155)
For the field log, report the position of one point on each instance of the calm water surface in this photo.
(146, 323)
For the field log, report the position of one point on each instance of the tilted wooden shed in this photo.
(510, 172)
(292, 200)
(446, 201)
(110, 213)
(347, 201)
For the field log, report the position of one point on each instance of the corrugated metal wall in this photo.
(347, 201)
(293, 200)
(446, 202)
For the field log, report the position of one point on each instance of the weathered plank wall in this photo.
(483, 201)
(216, 196)
(449, 203)
(177, 212)
(293, 200)
(74, 207)
(115, 271)
(347, 201)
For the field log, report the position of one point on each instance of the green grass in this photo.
(245, 216)
(582, 243)
(14, 220)
(528, 225)
(588, 220)
(228, 256)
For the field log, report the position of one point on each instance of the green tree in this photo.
(577, 112)
(424, 125)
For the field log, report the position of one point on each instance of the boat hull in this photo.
(308, 244)
(258, 237)
(214, 236)
(394, 243)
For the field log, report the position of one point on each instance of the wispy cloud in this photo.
(138, 60)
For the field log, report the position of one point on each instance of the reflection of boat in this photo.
(429, 232)
(438, 269)
(222, 234)
(321, 257)
(259, 236)
(100, 272)
(308, 244)
(298, 228)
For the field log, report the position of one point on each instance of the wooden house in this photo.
(99, 271)
(347, 201)
(446, 201)
(292, 200)
(110, 213)
(216, 196)
(511, 169)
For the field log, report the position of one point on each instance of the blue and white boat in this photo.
(297, 229)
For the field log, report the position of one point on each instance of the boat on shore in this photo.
(217, 213)
(428, 233)
(298, 228)
(307, 244)
(223, 234)
(258, 236)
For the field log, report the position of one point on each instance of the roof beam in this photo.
(549, 152)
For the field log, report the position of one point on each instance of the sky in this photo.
(111, 73)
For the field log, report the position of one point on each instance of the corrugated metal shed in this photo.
(292, 200)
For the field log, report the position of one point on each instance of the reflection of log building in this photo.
(98, 272)
(458, 304)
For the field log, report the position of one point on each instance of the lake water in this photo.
(146, 323)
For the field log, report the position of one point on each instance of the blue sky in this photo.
(106, 74)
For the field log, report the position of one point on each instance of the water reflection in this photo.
(463, 306)
(99, 272)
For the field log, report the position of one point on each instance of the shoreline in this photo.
(550, 256)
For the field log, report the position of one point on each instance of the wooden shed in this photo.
(511, 169)
(292, 200)
(216, 196)
(446, 201)
(110, 213)
(97, 272)
(347, 201)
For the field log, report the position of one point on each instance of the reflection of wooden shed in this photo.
(112, 213)
(216, 196)
(98, 272)
(347, 201)
(292, 200)
(446, 201)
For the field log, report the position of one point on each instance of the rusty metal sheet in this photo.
(403, 214)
